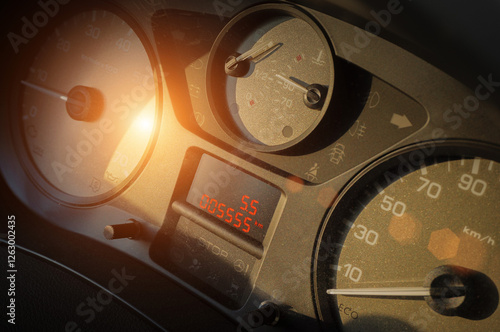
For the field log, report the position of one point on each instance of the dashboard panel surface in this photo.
(249, 165)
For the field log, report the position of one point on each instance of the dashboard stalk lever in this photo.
(130, 230)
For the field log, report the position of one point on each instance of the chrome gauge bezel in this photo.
(362, 189)
(16, 126)
(244, 23)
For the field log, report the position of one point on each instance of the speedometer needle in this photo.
(46, 91)
(392, 291)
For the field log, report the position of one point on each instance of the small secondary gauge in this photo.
(271, 77)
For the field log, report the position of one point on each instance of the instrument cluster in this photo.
(250, 154)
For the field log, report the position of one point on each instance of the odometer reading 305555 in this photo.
(234, 197)
(240, 218)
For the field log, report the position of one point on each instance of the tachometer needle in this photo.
(46, 91)
(289, 81)
(389, 291)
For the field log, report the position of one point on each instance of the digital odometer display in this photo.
(234, 197)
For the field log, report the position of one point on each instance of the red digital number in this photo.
(253, 207)
(211, 207)
(229, 215)
(221, 211)
(203, 204)
(238, 219)
(246, 224)
(243, 201)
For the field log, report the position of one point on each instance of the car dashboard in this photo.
(236, 165)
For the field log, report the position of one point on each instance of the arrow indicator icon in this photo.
(401, 121)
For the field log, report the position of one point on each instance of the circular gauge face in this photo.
(88, 107)
(271, 77)
(415, 248)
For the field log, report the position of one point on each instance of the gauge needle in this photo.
(289, 81)
(53, 93)
(253, 54)
(46, 91)
(390, 291)
(314, 94)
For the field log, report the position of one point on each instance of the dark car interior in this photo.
(248, 165)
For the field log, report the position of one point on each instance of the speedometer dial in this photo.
(88, 107)
(418, 247)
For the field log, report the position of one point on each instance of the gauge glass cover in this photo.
(88, 106)
(271, 77)
(417, 249)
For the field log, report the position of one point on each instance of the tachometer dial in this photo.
(415, 248)
(271, 77)
(88, 107)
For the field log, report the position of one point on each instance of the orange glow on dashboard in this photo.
(443, 244)
(134, 142)
(405, 229)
